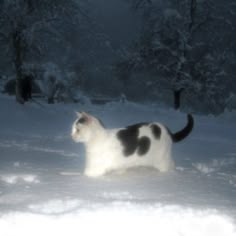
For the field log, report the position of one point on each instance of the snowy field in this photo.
(198, 199)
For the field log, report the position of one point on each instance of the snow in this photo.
(198, 198)
(14, 179)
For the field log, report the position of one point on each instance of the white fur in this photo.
(104, 152)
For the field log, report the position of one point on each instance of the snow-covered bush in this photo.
(50, 81)
(61, 86)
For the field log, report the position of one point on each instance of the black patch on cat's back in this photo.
(130, 141)
(143, 145)
(156, 131)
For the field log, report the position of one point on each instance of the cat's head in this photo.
(85, 127)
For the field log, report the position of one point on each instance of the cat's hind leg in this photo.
(166, 163)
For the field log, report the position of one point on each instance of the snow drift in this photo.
(198, 198)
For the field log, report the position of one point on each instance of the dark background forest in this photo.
(180, 53)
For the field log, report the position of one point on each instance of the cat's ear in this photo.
(88, 117)
(83, 114)
(79, 114)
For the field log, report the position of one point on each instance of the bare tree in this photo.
(25, 26)
(180, 38)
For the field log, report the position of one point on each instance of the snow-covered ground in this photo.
(199, 198)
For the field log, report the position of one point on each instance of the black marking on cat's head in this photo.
(144, 144)
(156, 131)
(129, 138)
(85, 118)
(81, 120)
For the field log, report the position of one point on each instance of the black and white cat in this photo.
(142, 144)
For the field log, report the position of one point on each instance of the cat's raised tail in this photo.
(180, 135)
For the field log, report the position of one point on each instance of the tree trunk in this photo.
(178, 92)
(18, 61)
(177, 96)
(27, 87)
